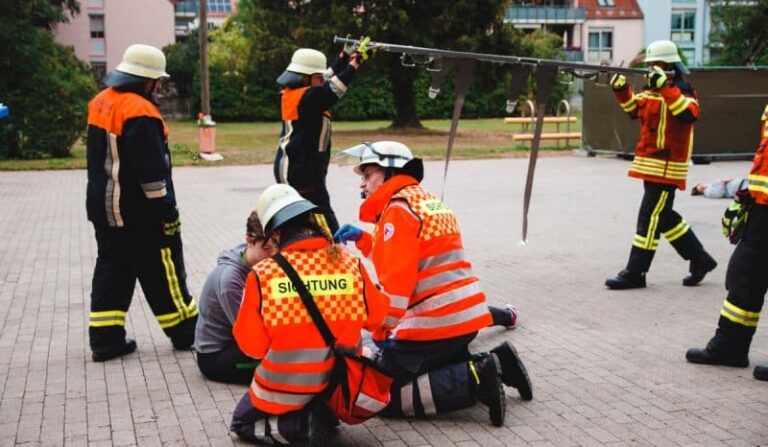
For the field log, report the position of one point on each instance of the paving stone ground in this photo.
(607, 367)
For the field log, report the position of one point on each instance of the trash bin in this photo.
(206, 134)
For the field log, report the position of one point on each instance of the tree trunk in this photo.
(402, 79)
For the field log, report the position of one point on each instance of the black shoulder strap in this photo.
(307, 299)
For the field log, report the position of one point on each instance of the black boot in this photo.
(513, 372)
(183, 335)
(490, 390)
(761, 372)
(699, 269)
(128, 346)
(714, 354)
(626, 280)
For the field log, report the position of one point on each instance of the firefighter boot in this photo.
(183, 335)
(716, 354)
(490, 390)
(128, 346)
(699, 269)
(626, 280)
(761, 372)
(513, 372)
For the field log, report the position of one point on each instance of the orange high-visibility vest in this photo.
(665, 144)
(758, 175)
(274, 325)
(419, 257)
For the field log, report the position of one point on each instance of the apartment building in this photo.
(685, 22)
(593, 31)
(105, 28)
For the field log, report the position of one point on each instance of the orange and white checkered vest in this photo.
(298, 364)
(447, 300)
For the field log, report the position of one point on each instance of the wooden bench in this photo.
(532, 120)
(547, 136)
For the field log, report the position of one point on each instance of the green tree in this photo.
(44, 84)
(741, 31)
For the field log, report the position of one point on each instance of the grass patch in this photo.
(256, 142)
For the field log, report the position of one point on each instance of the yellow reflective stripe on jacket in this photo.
(678, 231)
(662, 129)
(630, 104)
(107, 318)
(660, 168)
(758, 183)
(681, 105)
(739, 316)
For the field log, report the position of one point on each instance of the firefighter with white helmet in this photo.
(436, 304)
(309, 90)
(131, 202)
(666, 109)
(282, 404)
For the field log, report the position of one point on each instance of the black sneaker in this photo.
(699, 270)
(490, 390)
(761, 372)
(513, 371)
(709, 356)
(129, 345)
(183, 343)
(626, 280)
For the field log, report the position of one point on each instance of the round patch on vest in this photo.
(389, 231)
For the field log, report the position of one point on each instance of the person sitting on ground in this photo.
(218, 356)
(719, 189)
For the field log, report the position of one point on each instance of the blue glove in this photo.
(4, 111)
(347, 233)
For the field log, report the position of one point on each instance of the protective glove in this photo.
(736, 215)
(172, 223)
(4, 111)
(656, 78)
(618, 81)
(347, 233)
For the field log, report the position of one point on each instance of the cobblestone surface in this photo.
(607, 367)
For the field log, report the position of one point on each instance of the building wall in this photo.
(125, 22)
(658, 25)
(657, 19)
(627, 38)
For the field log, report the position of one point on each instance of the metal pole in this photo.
(205, 100)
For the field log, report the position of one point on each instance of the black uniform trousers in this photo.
(125, 255)
(655, 218)
(305, 427)
(230, 365)
(430, 377)
(747, 283)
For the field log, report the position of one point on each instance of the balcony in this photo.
(186, 7)
(544, 15)
(573, 55)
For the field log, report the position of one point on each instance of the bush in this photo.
(47, 90)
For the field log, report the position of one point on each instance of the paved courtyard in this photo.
(607, 367)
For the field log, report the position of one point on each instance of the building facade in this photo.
(593, 31)
(685, 22)
(186, 12)
(105, 28)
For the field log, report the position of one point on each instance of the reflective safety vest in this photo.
(666, 117)
(440, 298)
(274, 325)
(758, 175)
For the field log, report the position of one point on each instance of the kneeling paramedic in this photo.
(284, 403)
(746, 278)
(436, 304)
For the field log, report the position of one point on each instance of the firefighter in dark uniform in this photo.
(132, 205)
(746, 279)
(309, 91)
(666, 111)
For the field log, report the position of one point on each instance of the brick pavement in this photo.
(608, 367)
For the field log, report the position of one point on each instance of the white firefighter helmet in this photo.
(663, 51)
(143, 60)
(387, 154)
(280, 203)
(140, 63)
(305, 61)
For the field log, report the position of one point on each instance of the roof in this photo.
(621, 9)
